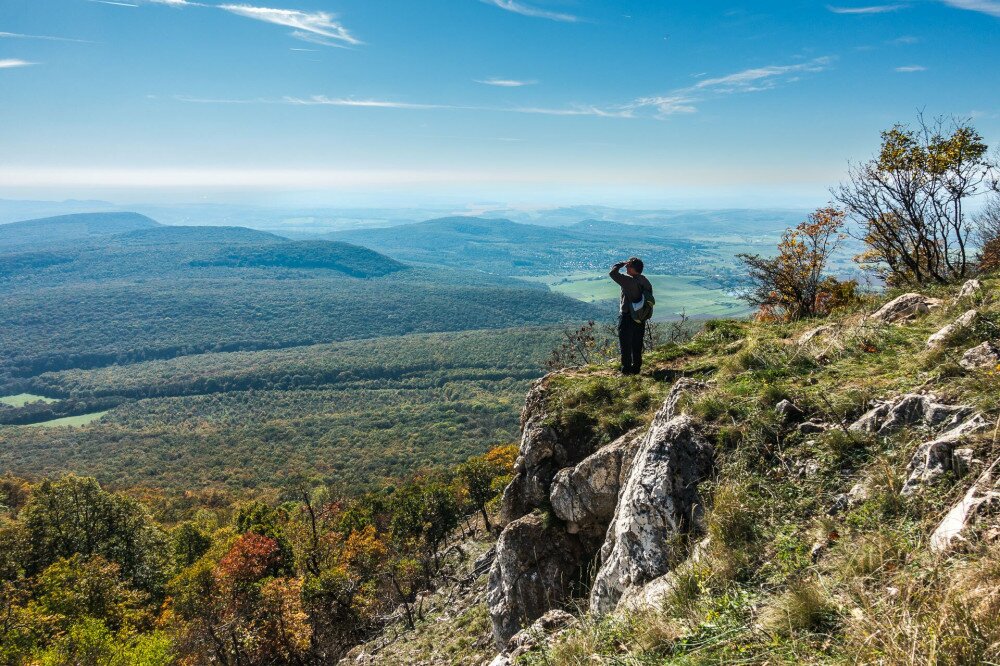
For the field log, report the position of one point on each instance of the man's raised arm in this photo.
(614, 274)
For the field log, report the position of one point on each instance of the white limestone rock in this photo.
(941, 337)
(658, 504)
(934, 458)
(905, 307)
(984, 356)
(585, 495)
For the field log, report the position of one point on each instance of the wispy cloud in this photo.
(11, 63)
(685, 100)
(323, 100)
(679, 101)
(871, 9)
(613, 112)
(315, 27)
(369, 103)
(911, 68)
(904, 40)
(760, 78)
(505, 83)
(991, 7)
(528, 10)
(48, 38)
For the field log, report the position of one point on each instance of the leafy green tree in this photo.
(75, 516)
(88, 587)
(189, 542)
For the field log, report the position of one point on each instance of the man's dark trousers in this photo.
(630, 336)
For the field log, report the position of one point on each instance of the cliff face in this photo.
(776, 454)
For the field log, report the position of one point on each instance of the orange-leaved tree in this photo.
(793, 284)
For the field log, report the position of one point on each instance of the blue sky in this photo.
(549, 101)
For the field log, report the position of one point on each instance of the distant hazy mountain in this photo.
(72, 227)
(684, 223)
(160, 235)
(447, 231)
(342, 257)
(504, 247)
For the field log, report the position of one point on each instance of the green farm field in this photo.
(79, 420)
(695, 295)
(22, 399)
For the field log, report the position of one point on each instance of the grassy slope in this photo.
(873, 593)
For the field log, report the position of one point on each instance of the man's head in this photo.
(634, 266)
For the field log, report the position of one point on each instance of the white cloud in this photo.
(685, 100)
(528, 10)
(11, 63)
(614, 112)
(116, 4)
(760, 78)
(17, 35)
(991, 7)
(911, 68)
(323, 100)
(679, 101)
(873, 9)
(315, 27)
(668, 105)
(505, 83)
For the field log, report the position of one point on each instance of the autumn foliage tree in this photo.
(909, 201)
(793, 284)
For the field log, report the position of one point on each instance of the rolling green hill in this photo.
(163, 292)
(76, 227)
(341, 257)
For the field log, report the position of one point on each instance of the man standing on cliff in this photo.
(636, 307)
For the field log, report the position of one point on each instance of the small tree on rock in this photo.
(792, 284)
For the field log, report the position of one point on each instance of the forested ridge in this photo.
(163, 292)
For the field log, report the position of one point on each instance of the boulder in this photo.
(788, 412)
(543, 630)
(814, 334)
(859, 493)
(542, 453)
(982, 492)
(941, 337)
(535, 570)
(912, 409)
(537, 460)
(934, 458)
(986, 355)
(656, 592)
(812, 427)
(969, 289)
(682, 387)
(658, 505)
(905, 307)
(961, 461)
(536, 402)
(585, 495)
